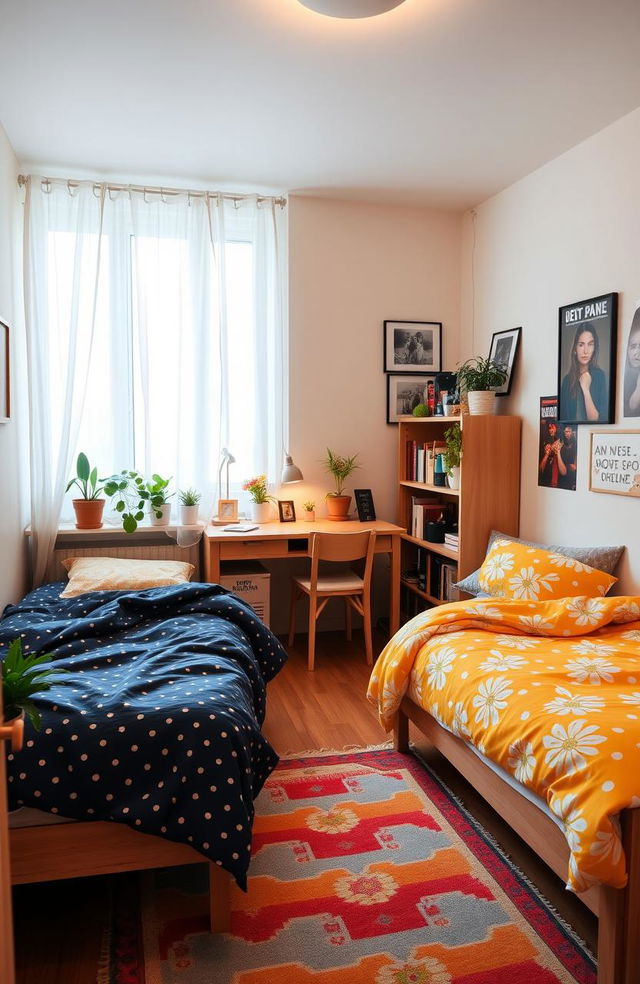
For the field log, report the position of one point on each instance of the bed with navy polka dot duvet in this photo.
(156, 721)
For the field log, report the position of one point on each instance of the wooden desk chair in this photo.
(356, 591)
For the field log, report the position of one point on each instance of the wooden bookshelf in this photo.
(488, 497)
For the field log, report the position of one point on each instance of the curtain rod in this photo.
(153, 190)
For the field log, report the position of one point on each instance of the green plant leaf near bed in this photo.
(22, 678)
(86, 479)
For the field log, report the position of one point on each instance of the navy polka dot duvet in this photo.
(156, 722)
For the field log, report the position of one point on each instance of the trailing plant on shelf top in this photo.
(22, 678)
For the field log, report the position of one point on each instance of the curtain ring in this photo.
(70, 190)
(46, 186)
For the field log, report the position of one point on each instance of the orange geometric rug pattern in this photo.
(364, 870)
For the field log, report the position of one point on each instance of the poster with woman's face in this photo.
(587, 360)
(631, 403)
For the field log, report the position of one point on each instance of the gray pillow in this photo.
(602, 558)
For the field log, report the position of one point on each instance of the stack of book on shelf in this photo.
(448, 577)
(452, 540)
(420, 460)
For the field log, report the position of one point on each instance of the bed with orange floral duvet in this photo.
(538, 704)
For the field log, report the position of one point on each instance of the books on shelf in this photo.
(448, 577)
(420, 460)
(452, 540)
(423, 509)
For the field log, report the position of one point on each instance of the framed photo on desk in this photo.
(364, 505)
(286, 510)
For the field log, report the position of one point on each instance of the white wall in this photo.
(351, 266)
(567, 232)
(13, 447)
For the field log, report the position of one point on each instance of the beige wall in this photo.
(351, 266)
(567, 232)
(13, 446)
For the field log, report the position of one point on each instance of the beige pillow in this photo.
(120, 574)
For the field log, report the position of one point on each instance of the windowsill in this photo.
(114, 530)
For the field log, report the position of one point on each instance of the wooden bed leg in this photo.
(619, 915)
(401, 732)
(219, 899)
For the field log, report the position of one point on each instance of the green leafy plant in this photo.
(22, 678)
(480, 374)
(340, 467)
(86, 479)
(453, 450)
(189, 497)
(309, 505)
(157, 494)
(257, 489)
(421, 410)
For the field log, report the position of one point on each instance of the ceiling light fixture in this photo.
(351, 8)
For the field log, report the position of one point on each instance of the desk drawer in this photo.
(253, 549)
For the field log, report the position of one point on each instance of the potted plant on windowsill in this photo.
(340, 467)
(477, 378)
(452, 454)
(189, 502)
(22, 678)
(261, 511)
(159, 500)
(89, 506)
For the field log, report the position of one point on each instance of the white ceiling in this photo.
(439, 101)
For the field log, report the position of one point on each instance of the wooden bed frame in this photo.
(73, 850)
(618, 910)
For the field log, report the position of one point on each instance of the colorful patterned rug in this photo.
(365, 870)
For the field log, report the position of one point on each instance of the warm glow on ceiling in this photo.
(351, 8)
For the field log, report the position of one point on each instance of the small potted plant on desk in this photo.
(477, 378)
(309, 508)
(22, 678)
(88, 508)
(260, 498)
(189, 501)
(452, 454)
(340, 467)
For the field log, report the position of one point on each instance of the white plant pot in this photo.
(453, 478)
(261, 512)
(163, 520)
(309, 515)
(189, 515)
(481, 401)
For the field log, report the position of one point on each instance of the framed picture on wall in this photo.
(406, 392)
(587, 337)
(504, 348)
(5, 374)
(412, 346)
(631, 402)
(614, 464)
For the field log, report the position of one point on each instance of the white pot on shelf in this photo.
(453, 477)
(189, 515)
(261, 512)
(481, 401)
(165, 515)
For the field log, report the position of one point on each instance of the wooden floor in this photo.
(59, 925)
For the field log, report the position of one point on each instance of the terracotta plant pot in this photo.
(13, 730)
(481, 401)
(88, 513)
(338, 507)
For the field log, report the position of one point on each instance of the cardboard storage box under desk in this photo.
(250, 581)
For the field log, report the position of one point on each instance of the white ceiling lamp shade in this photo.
(351, 8)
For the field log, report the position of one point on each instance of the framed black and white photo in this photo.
(504, 348)
(412, 346)
(286, 510)
(364, 505)
(5, 376)
(631, 402)
(404, 393)
(587, 336)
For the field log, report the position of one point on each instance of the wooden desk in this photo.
(294, 540)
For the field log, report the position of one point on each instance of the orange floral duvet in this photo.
(550, 691)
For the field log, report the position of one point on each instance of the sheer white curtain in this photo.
(156, 336)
